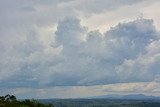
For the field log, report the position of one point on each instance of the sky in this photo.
(79, 48)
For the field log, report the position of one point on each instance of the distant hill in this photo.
(109, 96)
(102, 102)
(130, 96)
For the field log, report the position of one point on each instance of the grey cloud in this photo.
(27, 9)
(69, 32)
(99, 57)
(29, 13)
(143, 68)
(84, 58)
(99, 6)
(129, 40)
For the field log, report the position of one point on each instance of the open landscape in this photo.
(102, 103)
(105, 101)
(137, 100)
(79, 53)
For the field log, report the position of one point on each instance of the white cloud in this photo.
(36, 54)
(128, 48)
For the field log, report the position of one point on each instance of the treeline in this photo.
(104, 103)
(11, 101)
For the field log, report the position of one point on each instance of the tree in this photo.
(12, 98)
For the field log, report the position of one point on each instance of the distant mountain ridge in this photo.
(129, 96)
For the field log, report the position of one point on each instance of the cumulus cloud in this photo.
(143, 68)
(105, 54)
(42, 51)
(128, 52)
(69, 33)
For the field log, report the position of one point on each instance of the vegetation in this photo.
(11, 101)
(102, 103)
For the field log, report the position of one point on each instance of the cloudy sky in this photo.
(79, 48)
